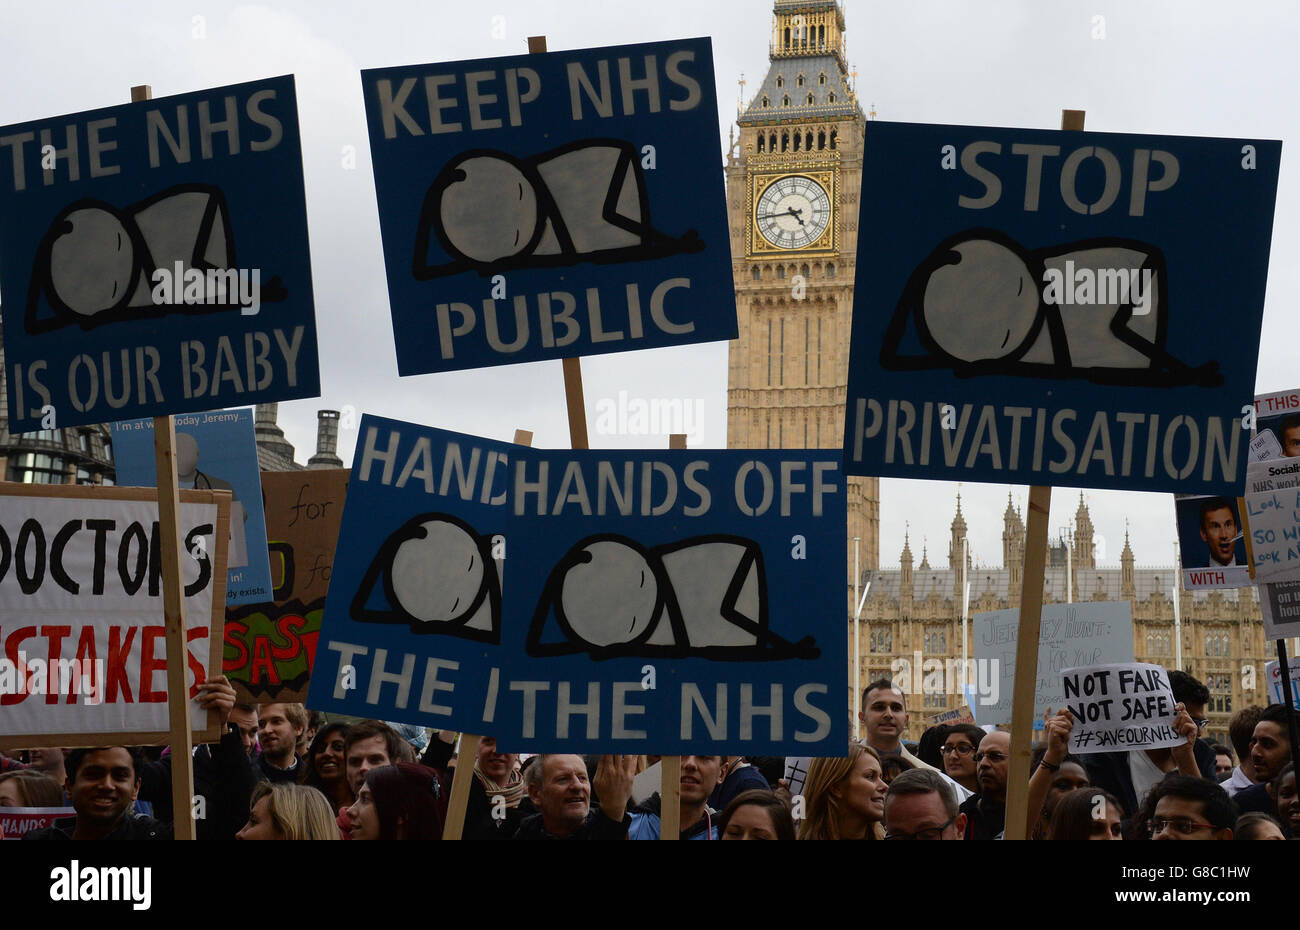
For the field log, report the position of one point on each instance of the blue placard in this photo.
(154, 258)
(1068, 308)
(547, 206)
(412, 624)
(217, 451)
(679, 602)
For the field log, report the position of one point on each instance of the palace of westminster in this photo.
(798, 155)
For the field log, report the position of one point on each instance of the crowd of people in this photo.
(280, 772)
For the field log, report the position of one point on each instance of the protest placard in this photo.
(1273, 675)
(685, 600)
(1038, 303)
(270, 647)
(1070, 635)
(1211, 541)
(412, 624)
(952, 717)
(1280, 606)
(81, 613)
(215, 450)
(143, 248)
(1119, 707)
(551, 205)
(1272, 512)
(15, 821)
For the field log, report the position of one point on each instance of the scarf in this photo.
(512, 790)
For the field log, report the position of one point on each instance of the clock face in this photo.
(793, 212)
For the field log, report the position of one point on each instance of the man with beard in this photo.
(559, 789)
(278, 728)
(1270, 751)
(102, 784)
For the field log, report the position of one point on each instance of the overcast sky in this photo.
(1179, 67)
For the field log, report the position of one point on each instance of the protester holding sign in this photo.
(561, 793)
(102, 783)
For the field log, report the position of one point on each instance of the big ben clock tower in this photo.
(793, 185)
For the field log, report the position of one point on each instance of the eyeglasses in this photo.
(962, 749)
(994, 757)
(1184, 825)
(932, 833)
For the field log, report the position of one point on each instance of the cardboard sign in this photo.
(951, 717)
(544, 206)
(15, 821)
(660, 600)
(1211, 541)
(269, 648)
(682, 600)
(1273, 675)
(1033, 306)
(1273, 520)
(156, 261)
(412, 624)
(215, 451)
(81, 613)
(1071, 635)
(1280, 606)
(1119, 707)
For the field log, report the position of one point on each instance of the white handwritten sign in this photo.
(1120, 706)
(1273, 515)
(1072, 635)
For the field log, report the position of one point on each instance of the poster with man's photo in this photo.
(215, 451)
(1277, 426)
(1211, 541)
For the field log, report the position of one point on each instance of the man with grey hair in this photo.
(921, 805)
(560, 790)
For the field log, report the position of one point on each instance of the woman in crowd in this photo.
(1282, 790)
(285, 811)
(29, 788)
(1257, 826)
(959, 747)
(326, 767)
(397, 802)
(891, 766)
(844, 799)
(756, 815)
(1075, 816)
(1069, 776)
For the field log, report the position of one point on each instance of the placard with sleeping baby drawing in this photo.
(677, 601)
(1048, 307)
(412, 624)
(154, 258)
(554, 205)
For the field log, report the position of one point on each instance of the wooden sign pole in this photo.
(1031, 616)
(454, 827)
(169, 517)
(670, 767)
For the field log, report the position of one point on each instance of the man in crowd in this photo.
(1270, 750)
(244, 718)
(1189, 807)
(1130, 774)
(102, 784)
(278, 728)
(699, 776)
(1222, 762)
(223, 779)
(920, 805)
(49, 761)
(1241, 727)
(370, 744)
(884, 715)
(986, 812)
(559, 789)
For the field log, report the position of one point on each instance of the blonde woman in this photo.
(286, 811)
(844, 799)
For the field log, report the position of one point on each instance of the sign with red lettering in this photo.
(15, 821)
(83, 656)
(269, 648)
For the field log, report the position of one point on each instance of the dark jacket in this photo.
(131, 828)
(1255, 798)
(265, 771)
(596, 827)
(739, 780)
(648, 819)
(223, 778)
(985, 818)
(1110, 770)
